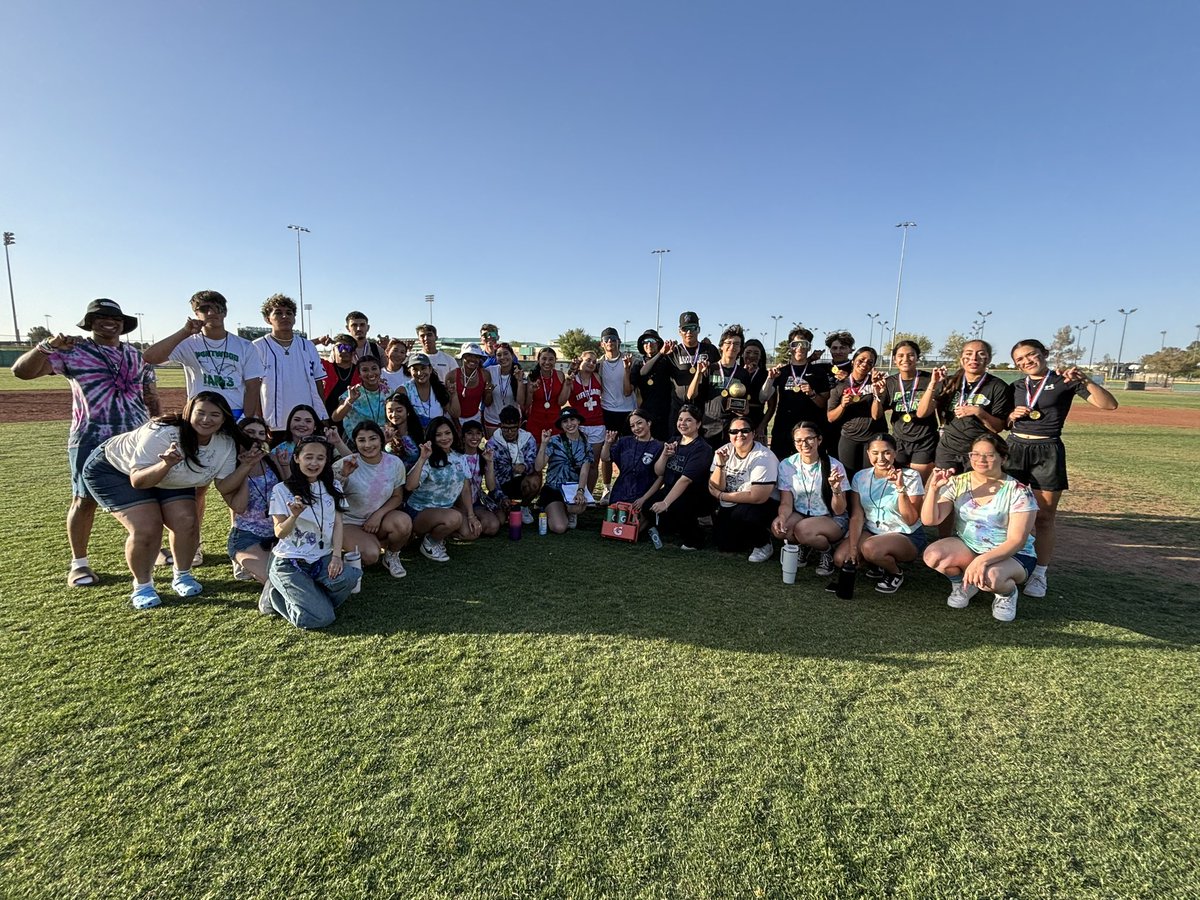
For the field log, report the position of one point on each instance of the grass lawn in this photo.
(565, 717)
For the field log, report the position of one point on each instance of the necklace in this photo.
(811, 489)
(318, 508)
(116, 371)
(220, 355)
(286, 348)
(877, 502)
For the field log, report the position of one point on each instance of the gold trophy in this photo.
(736, 401)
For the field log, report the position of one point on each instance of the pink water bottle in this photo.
(514, 522)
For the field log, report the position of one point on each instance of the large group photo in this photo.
(576, 502)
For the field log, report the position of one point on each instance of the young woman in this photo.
(854, 409)
(803, 391)
(541, 397)
(439, 496)
(724, 383)
(916, 436)
(684, 466)
(583, 392)
(395, 365)
(567, 459)
(480, 467)
(754, 356)
(508, 379)
(1041, 401)
(304, 421)
(970, 404)
(652, 383)
(885, 517)
(635, 456)
(252, 534)
(742, 481)
(308, 579)
(403, 431)
(363, 402)
(994, 515)
(812, 502)
(514, 452)
(147, 478)
(470, 383)
(340, 371)
(373, 484)
(429, 396)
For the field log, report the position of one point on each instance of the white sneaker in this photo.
(1004, 606)
(435, 550)
(961, 595)
(240, 573)
(572, 520)
(763, 553)
(357, 586)
(825, 566)
(527, 517)
(391, 562)
(686, 547)
(198, 559)
(1035, 586)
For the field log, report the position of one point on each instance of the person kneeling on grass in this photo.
(252, 534)
(514, 452)
(147, 478)
(994, 518)
(308, 580)
(480, 468)
(635, 455)
(439, 496)
(567, 459)
(742, 481)
(885, 521)
(812, 502)
(373, 483)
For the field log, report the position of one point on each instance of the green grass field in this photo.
(565, 717)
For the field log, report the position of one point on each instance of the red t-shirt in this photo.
(543, 406)
(586, 400)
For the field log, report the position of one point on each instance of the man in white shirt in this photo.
(442, 363)
(617, 398)
(292, 367)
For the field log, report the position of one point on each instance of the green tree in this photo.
(1173, 362)
(920, 340)
(1063, 351)
(574, 341)
(39, 333)
(952, 349)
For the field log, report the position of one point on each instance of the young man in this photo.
(112, 391)
(685, 358)
(617, 398)
(441, 362)
(292, 367)
(212, 358)
(489, 340)
(359, 327)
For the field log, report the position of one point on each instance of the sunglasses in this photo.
(689, 328)
(345, 348)
(794, 345)
(741, 431)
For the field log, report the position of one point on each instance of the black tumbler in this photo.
(845, 581)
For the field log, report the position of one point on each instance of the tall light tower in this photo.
(141, 334)
(10, 239)
(983, 317)
(900, 276)
(871, 333)
(1080, 329)
(883, 327)
(1121, 349)
(429, 300)
(300, 270)
(626, 338)
(658, 297)
(776, 343)
(1096, 323)
(1164, 339)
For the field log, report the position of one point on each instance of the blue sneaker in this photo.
(146, 597)
(185, 585)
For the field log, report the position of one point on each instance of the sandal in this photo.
(82, 577)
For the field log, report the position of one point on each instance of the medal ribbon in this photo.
(1031, 400)
(968, 390)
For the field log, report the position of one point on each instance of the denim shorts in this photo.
(240, 539)
(77, 456)
(113, 491)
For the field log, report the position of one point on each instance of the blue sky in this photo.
(521, 160)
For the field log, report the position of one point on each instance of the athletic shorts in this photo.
(1027, 563)
(909, 452)
(549, 495)
(618, 422)
(113, 491)
(949, 459)
(593, 433)
(1040, 464)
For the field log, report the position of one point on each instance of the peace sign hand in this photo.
(425, 451)
(172, 456)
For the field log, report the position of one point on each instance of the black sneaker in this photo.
(831, 588)
(889, 584)
(875, 573)
(802, 559)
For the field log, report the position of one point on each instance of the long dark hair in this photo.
(412, 421)
(440, 391)
(536, 374)
(268, 459)
(823, 456)
(318, 421)
(955, 383)
(189, 441)
(439, 459)
(516, 367)
(298, 484)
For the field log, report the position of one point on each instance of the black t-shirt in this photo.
(682, 362)
(990, 393)
(905, 398)
(654, 388)
(719, 403)
(794, 405)
(692, 460)
(1053, 404)
(856, 422)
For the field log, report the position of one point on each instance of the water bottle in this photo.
(655, 539)
(514, 522)
(789, 558)
(543, 525)
(845, 581)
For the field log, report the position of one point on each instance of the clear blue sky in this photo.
(521, 160)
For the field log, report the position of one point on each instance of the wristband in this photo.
(44, 346)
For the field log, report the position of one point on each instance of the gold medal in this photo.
(649, 382)
(796, 388)
(692, 370)
(907, 417)
(1035, 414)
(724, 393)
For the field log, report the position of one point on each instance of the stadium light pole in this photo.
(141, 334)
(1096, 323)
(1164, 339)
(308, 309)
(777, 318)
(300, 270)
(1198, 333)
(9, 240)
(983, 317)
(1121, 348)
(899, 276)
(658, 296)
(871, 333)
(626, 339)
(429, 300)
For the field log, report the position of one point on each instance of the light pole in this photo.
(308, 309)
(777, 318)
(983, 317)
(141, 334)
(9, 239)
(1164, 339)
(900, 277)
(429, 300)
(883, 327)
(871, 333)
(1096, 323)
(1198, 334)
(626, 340)
(1080, 329)
(48, 323)
(658, 299)
(1121, 349)
(300, 270)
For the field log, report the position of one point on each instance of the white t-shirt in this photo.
(312, 538)
(443, 363)
(612, 386)
(140, 449)
(394, 381)
(759, 467)
(881, 503)
(803, 481)
(984, 526)
(223, 366)
(291, 377)
(502, 395)
(371, 486)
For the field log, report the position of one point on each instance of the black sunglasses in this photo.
(741, 431)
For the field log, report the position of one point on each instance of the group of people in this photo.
(332, 464)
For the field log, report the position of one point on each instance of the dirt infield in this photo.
(55, 406)
(1136, 415)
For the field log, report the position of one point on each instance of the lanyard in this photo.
(908, 402)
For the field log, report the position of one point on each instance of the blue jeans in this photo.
(305, 594)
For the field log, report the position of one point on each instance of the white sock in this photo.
(1039, 570)
(80, 563)
(179, 572)
(137, 585)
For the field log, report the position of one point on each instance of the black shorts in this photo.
(922, 451)
(1040, 464)
(618, 422)
(945, 458)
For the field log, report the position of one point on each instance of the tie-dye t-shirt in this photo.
(984, 526)
(106, 389)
